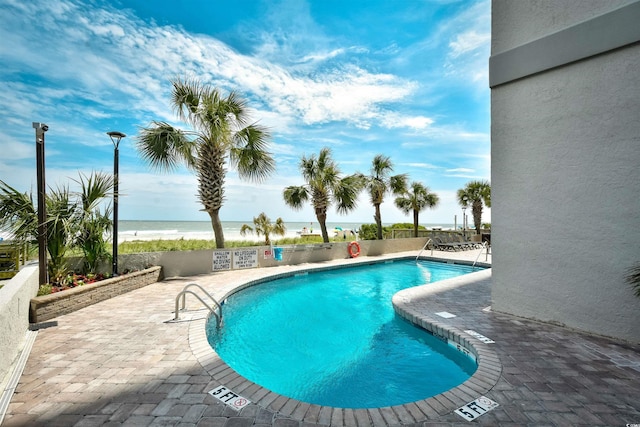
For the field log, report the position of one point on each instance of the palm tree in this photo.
(18, 215)
(417, 198)
(72, 220)
(323, 186)
(60, 229)
(92, 223)
(263, 226)
(475, 193)
(221, 133)
(379, 183)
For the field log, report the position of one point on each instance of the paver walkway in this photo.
(123, 362)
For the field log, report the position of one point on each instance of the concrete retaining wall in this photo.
(190, 263)
(14, 315)
(47, 307)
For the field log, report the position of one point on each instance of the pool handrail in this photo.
(186, 291)
(484, 246)
(423, 248)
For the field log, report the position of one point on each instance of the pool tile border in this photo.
(483, 380)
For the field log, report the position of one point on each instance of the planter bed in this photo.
(47, 307)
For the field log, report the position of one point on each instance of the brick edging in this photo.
(47, 307)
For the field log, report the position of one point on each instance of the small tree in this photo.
(324, 186)
(73, 219)
(263, 226)
(416, 199)
(474, 194)
(380, 182)
(92, 223)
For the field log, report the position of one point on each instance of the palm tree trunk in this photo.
(415, 223)
(216, 224)
(476, 209)
(321, 215)
(378, 219)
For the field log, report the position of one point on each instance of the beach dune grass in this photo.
(139, 246)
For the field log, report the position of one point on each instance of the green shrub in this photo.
(370, 232)
(44, 289)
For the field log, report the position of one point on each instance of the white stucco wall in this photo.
(566, 178)
(14, 316)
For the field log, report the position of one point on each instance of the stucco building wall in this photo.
(566, 163)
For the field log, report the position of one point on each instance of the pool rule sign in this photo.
(243, 258)
(473, 410)
(221, 260)
(230, 398)
(247, 258)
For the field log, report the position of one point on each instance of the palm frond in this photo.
(249, 153)
(185, 98)
(633, 278)
(18, 215)
(346, 193)
(94, 188)
(296, 196)
(165, 147)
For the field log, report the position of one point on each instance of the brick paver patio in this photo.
(124, 362)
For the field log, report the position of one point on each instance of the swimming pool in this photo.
(332, 338)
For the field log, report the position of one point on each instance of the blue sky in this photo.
(404, 78)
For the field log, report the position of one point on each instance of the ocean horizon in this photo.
(129, 230)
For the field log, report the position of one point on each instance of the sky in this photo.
(406, 79)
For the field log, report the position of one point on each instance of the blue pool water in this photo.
(332, 338)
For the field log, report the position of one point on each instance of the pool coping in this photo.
(484, 379)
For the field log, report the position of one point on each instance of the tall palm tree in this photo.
(417, 198)
(264, 226)
(323, 186)
(221, 134)
(380, 182)
(475, 193)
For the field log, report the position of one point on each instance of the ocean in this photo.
(171, 230)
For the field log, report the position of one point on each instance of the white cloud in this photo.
(460, 170)
(105, 68)
(468, 42)
(420, 165)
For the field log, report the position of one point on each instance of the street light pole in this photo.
(41, 128)
(115, 138)
(464, 217)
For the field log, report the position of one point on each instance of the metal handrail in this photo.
(423, 248)
(186, 291)
(484, 246)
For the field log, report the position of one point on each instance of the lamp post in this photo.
(41, 128)
(115, 138)
(464, 217)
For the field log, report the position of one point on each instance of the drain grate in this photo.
(42, 325)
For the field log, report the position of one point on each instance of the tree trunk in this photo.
(415, 223)
(321, 215)
(216, 224)
(378, 219)
(476, 209)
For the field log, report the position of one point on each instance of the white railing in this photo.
(183, 295)
(425, 247)
(486, 247)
